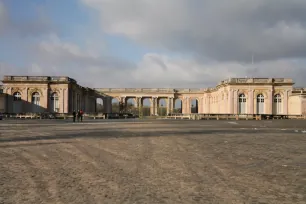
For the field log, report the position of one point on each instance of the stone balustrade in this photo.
(38, 79)
(256, 81)
(148, 90)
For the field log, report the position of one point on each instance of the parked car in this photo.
(1, 116)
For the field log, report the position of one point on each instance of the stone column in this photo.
(153, 107)
(183, 105)
(136, 102)
(269, 108)
(123, 101)
(156, 106)
(108, 104)
(225, 99)
(200, 101)
(230, 101)
(167, 105)
(250, 101)
(285, 104)
(139, 105)
(235, 102)
(208, 104)
(186, 105)
(169, 102)
(45, 105)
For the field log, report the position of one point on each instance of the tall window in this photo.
(35, 102)
(17, 96)
(54, 102)
(260, 104)
(35, 98)
(242, 104)
(277, 105)
(17, 104)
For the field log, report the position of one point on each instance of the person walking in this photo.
(74, 115)
(81, 115)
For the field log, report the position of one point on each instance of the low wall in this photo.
(171, 116)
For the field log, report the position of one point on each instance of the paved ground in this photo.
(153, 161)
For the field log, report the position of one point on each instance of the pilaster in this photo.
(230, 101)
(45, 99)
(170, 105)
(285, 104)
(270, 102)
(235, 104)
(108, 104)
(208, 103)
(153, 107)
(186, 105)
(250, 101)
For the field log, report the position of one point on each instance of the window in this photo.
(36, 98)
(242, 104)
(277, 105)
(54, 102)
(260, 104)
(36, 102)
(17, 96)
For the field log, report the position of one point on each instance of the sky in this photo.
(154, 44)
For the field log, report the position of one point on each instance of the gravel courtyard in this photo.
(152, 161)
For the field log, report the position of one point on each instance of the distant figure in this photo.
(81, 115)
(74, 115)
(78, 115)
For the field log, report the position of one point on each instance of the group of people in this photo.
(78, 115)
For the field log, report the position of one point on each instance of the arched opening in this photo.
(115, 105)
(54, 105)
(194, 106)
(162, 107)
(17, 103)
(260, 104)
(178, 105)
(277, 105)
(146, 107)
(131, 106)
(36, 102)
(242, 104)
(99, 105)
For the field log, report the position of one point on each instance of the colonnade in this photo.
(155, 102)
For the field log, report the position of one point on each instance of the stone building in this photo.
(272, 96)
(24, 94)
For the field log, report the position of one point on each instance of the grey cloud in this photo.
(41, 25)
(90, 68)
(222, 30)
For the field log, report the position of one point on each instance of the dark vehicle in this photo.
(1, 116)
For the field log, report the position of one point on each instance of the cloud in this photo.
(37, 26)
(3, 18)
(57, 57)
(190, 73)
(203, 42)
(220, 30)
(53, 56)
